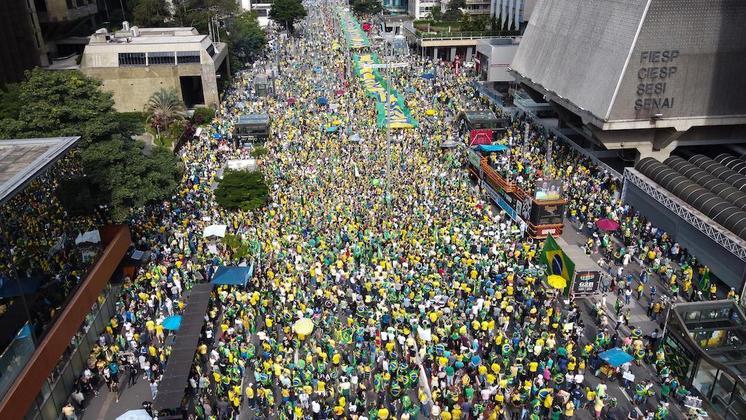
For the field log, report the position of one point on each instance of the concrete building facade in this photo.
(24, 45)
(136, 62)
(493, 58)
(645, 74)
(514, 14)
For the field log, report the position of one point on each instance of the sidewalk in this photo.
(104, 406)
(638, 319)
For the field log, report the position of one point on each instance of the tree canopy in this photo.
(246, 37)
(287, 12)
(197, 13)
(67, 103)
(125, 178)
(61, 103)
(366, 7)
(151, 13)
(242, 190)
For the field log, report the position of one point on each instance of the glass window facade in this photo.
(161, 58)
(131, 59)
(186, 57)
(705, 346)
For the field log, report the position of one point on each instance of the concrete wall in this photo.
(499, 58)
(132, 86)
(690, 57)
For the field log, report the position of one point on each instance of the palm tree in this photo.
(163, 108)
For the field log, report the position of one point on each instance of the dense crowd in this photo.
(425, 299)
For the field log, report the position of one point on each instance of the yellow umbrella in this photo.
(430, 112)
(558, 282)
(336, 122)
(303, 326)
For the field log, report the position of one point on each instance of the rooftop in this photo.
(22, 160)
(136, 35)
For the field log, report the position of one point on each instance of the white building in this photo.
(513, 14)
(136, 62)
(260, 7)
(420, 9)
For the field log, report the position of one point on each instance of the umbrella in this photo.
(331, 129)
(339, 92)
(291, 101)
(217, 136)
(607, 225)
(139, 414)
(322, 101)
(430, 112)
(172, 323)
(428, 76)
(616, 357)
(303, 326)
(558, 282)
(337, 122)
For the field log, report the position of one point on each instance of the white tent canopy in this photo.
(91, 236)
(214, 230)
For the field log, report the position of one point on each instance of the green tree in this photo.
(163, 108)
(117, 173)
(242, 190)
(61, 103)
(246, 37)
(10, 101)
(151, 13)
(366, 7)
(454, 12)
(197, 13)
(436, 14)
(125, 178)
(478, 23)
(287, 12)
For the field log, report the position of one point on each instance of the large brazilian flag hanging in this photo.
(556, 261)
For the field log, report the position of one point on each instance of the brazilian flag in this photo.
(556, 261)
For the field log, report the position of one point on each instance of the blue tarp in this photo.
(172, 322)
(234, 276)
(616, 357)
(489, 148)
(428, 76)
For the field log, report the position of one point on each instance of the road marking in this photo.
(624, 391)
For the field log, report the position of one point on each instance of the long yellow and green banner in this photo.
(354, 33)
(376, 87)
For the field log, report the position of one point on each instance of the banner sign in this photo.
(474, 158)
(399, 115)
(586, 283)
(480, 136)
(548, 190)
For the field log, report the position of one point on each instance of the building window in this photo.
(156, 58)
(131, 59)
(186, 57)
(211, 50)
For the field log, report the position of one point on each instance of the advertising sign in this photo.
(548, 190)
(474, 158)
(586, 283)
(480, 136)
(547, 214)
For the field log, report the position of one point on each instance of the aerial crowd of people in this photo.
(426, 300)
